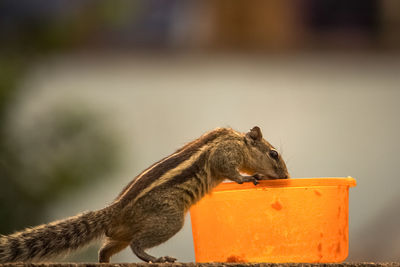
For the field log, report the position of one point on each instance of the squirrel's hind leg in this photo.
(109, 248)
(141, 254)
(156, 228)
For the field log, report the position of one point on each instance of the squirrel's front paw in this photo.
(254, 179)
(257, 176)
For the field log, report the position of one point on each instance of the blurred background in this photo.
(93, 92)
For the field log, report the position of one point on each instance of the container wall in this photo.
(272, 225)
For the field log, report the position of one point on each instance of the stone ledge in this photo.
(347, 264)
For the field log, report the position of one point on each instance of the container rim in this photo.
(292, 182)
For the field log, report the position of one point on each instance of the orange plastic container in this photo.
(293, 220)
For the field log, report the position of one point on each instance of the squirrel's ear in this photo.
(255, 133)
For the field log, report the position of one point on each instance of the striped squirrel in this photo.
(151, 208)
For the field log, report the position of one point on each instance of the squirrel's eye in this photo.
(273, 154)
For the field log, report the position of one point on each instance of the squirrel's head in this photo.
(263, 158)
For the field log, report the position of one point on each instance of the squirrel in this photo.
(151, 208)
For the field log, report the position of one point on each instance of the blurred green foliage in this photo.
(61, 151)
(64, 149)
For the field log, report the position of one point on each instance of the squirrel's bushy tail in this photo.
(53, 239)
